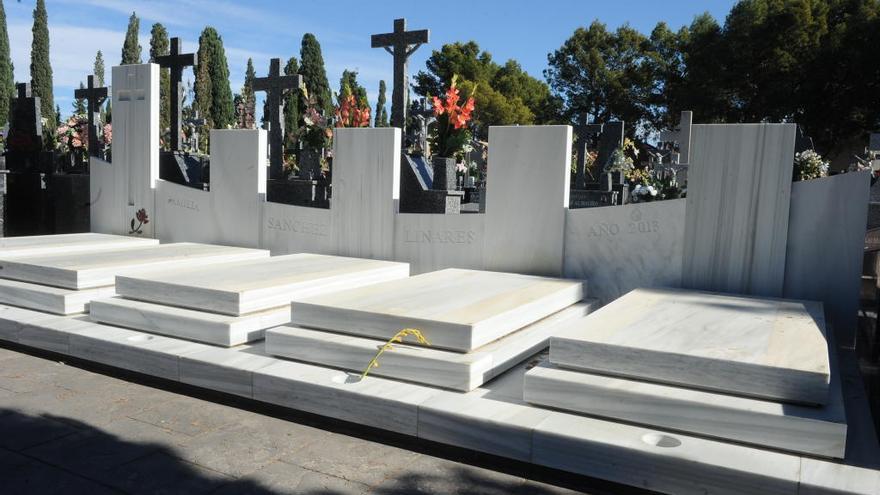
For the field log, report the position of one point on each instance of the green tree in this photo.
(213, 93)
(604, 75)
(381, 116)
(98, 68)
(314, 74)
(131, 49)
(349, 82)
(247, 107)
(160, 46)
(79, 105)
(291, 106)
(41, 68)
(703, 87)
(7, 81)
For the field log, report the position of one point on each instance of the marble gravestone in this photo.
(764, 348)
(237, 304)
(14, 247)
(478, 324)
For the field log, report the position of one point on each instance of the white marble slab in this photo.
(764, 348)
(454, 309)
(430, 242)
(374, 401)
(484, 425)
(50, 299)
(801, 429)
(736, 226)
(833, 210)
(226, 370)
(255, 285)
(238, 183)
(420, 364)
(14, 320)
(621, 248)
(36, 245)
(119, 190)
(86, 270)
(131, 350)
(660, 461)
(827, 478)
(199, 326)
(527, 198)
(366, 191)
(53, 333)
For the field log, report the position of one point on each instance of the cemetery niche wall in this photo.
(528, 226)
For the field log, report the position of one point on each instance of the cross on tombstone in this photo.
(275, 85)
(176, 61)
(584, 132)
(400, 44)
(94, 97)
(25, 127)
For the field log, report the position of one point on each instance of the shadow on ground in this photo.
(53, 454)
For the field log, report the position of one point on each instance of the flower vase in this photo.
(444, 173)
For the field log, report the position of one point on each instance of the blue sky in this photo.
(526, 30)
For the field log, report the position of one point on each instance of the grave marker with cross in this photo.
(94, 97)
(176, 61)
(400, 44)
(276, 86)
(26, 127)
(584, 133)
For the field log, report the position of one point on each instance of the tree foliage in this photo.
(160, 46)
(291, 106)
(504, 94)
(314, 73)
(213, 92)
(381, 116)
(98, 68)
(7, 81)
(41, 67)
(131, 48)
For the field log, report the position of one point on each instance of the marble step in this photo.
(814, 431)
(38, 245)
(763, 348)
(424, 365)
(255, 285)
(199, 326)
(456, 309)
(87, 270)
(50, 299)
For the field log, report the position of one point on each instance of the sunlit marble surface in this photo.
(37, 245)
(50, 299)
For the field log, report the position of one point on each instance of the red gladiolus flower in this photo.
(438, 107)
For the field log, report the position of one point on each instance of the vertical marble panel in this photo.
(431, 242)
(290, 229)
(366, 191)
(621, 248)
(135, 167)
(238, 185)
(826, 237)
(736, 226)
(527, 197)
(183, 214)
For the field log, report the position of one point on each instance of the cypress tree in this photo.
(381, 117)
(314, 74)
(159, 46)
(41, 68)
(248, 98)
(79, 106)
(7, 81)
(291, 106)
(202, 87)
(98, 69)
(213, 93)
(131, 50)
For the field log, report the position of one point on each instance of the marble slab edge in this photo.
(49, 299)
(187, 324)
(763, 382)
(799, 429)
(580, 445)
(419, 364)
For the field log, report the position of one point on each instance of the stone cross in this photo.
(400, 44)
(276, 86)
(94, 97)
(176, 61)
(584, 132)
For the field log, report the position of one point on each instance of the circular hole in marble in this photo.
(661, 440)
(140, 338)
(346, 378)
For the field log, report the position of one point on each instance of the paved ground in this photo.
(71, 430)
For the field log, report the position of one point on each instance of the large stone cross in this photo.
(176, 61)
(94, 97)
(276, 87)
(400, 44)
